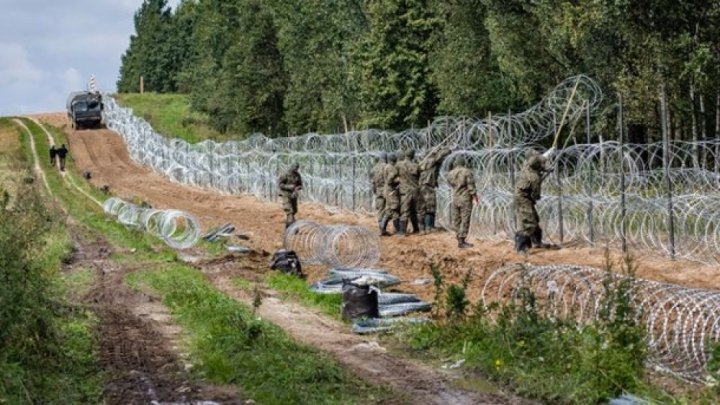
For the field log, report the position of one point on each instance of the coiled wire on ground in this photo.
(178, 229)
(681, 324)
(338, 246)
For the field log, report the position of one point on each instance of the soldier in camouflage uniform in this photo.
(527, 194)
(462, 181)
(392, 196)
(377, 182)
(427, 203)
(290, 184)
(409, 189)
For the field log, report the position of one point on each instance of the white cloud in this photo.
(15, 66)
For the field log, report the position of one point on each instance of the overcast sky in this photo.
(49, 48)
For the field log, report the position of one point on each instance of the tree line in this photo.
(295, 66)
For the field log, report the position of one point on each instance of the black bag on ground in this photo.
(287, 262)
(359, 301)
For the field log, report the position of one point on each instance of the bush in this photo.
(46, 354)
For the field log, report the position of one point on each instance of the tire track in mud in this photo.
(136, 354)
(135, 349)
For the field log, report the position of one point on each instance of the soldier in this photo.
(290, 184)
(409, 187)
(392, 196)
(527, 194)
(53, 154)
(427, 203)
(377, 181)
(462, 181)
(62, 153)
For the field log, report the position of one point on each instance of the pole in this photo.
(512, 176)
(666, 164)
(589, 184)
(142, 85)
(621, 131)
(353, 181)
(561, 228)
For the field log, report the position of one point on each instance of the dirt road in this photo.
(138, 343)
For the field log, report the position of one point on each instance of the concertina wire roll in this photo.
(681, 324)
(585, 186)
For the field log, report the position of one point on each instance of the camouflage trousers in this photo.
(392, 204)
(408, 205)
(380, 205)
(461, 213)
(528, 220)
(427, 203)
(289, 204)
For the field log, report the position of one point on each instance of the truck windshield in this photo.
(80, 106)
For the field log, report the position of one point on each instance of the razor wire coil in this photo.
(337, 246)
(681, 324)
(586, 183)
(177, 229)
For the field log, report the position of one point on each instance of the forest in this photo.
(330, 66)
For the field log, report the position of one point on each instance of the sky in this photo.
(49, 48)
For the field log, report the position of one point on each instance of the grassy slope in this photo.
(170, 115)
(58, 366)
(228, 342)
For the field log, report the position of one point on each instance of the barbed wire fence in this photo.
(681, 324)
(658, 196)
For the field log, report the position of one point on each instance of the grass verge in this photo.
(48, 344)
(294, 288)
(233, 345)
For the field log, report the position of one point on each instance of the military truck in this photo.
(84, 109)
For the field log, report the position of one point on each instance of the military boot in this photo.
(536, 240)
(289, 220)
(430, 223)
(414, 222)
(383, 226)
(462, 244)
(401, 228)
(522, 243)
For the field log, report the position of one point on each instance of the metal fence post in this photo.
(353, 181)
(561, 228)
(621, 131)
(666, 164)
(589, 183)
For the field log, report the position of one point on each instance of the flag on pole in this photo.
(93, 85)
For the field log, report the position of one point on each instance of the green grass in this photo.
(229, 344)
(170, 115)
(295, 288)
(235, 346)
(48, 343)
